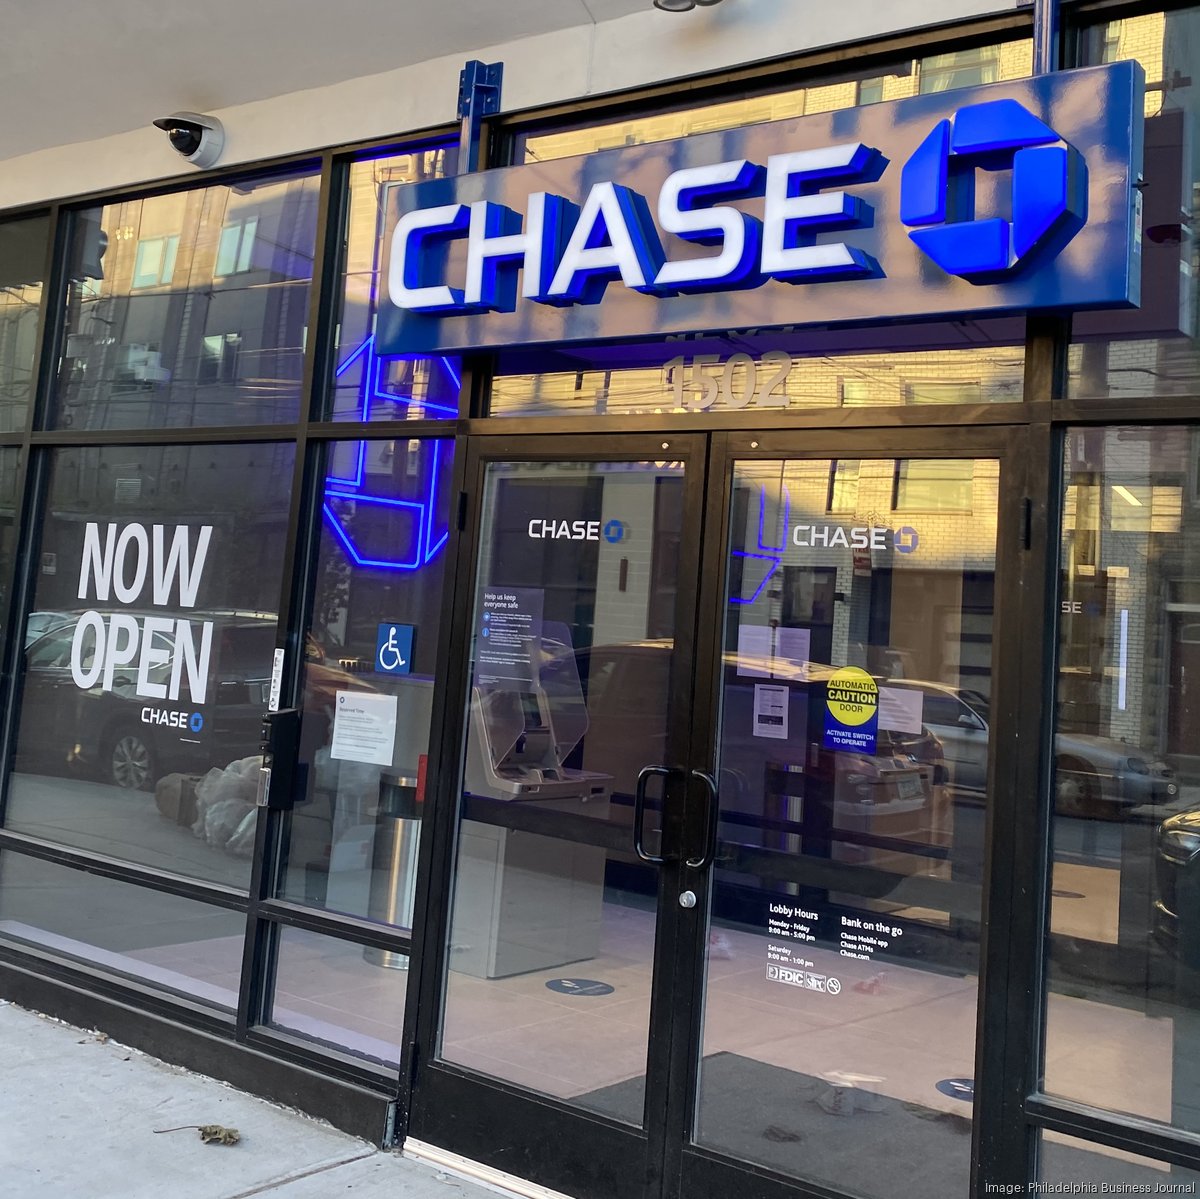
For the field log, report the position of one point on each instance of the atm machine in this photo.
(524, 901)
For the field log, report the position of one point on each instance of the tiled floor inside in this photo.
(898, 1029)
(888, 1027)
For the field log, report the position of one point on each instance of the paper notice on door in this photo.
(767, 653)
(900, 709)
(364, 728)
(792, 650)
(770, 711)
(754, 651)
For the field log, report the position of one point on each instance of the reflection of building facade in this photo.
(925, 583)
(679, 741)
(1128, 589)
(193, 304)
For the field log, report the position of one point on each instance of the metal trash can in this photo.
(394, 863)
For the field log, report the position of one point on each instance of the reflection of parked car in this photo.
(1095, 776)
(1176, 870)
(626, 693)
(887, 811)
(40, 623)
(325, 677)
(132, 740)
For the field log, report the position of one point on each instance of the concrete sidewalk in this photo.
(78, 1115)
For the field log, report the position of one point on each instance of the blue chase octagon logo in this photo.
(937, 190)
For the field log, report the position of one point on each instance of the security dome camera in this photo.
(200, 139)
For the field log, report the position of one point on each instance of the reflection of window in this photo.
(968, 391)
(843, 485)
(855, 392)
(1141, 507)
(808, 596)
(870, 91)
(56, 651)
(937, 73)
(959, 68)
(945, 710)
(219, 358)
(236, 247)
(182, 549)
(934, 484)
(157, 346)
(1123, 905)
(155, 261)
(1112, 41)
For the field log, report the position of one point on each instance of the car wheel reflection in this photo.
(1075, 794)
(131, 761)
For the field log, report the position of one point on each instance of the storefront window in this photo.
(149, 651)
(1067, 1162)
(340, 994)
(1123, 1002)
(179, 945)
(736, 374)
(1153, 350)
(10, 460)
(23, 247)
(369, 670)
(919, 76)
(189, 308)
(365, 386)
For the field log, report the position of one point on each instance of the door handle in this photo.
(639, 811)
(711, 819)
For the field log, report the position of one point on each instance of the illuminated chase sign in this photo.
(1010, 197)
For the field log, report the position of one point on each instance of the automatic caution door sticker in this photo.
(851, 710)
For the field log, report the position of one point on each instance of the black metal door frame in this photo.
(1000, 1140)
(488, 1120)
(591, 1157)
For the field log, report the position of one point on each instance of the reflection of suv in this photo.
(1095, 776)
(888, 810)
(1177, 874)
(132, 740)
(626, 688)
(1177, 882)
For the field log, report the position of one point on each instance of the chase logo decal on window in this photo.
(1003, 198)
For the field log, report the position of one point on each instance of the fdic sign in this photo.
(1004, 198)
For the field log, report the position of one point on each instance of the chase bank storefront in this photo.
(661, 666)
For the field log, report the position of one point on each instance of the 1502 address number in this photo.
(740, 381)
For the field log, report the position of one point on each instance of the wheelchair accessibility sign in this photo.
(393, 649)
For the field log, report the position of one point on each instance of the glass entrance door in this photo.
(835, 1044)
(715, 898)
(555, 886)
(576, 708)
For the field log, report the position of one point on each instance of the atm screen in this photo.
(531, 710)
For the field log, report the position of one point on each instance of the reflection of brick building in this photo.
(1131, 589)
(365, 240)
(1153, 349)
(190, 307)
(22, 264)
(924, 614)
